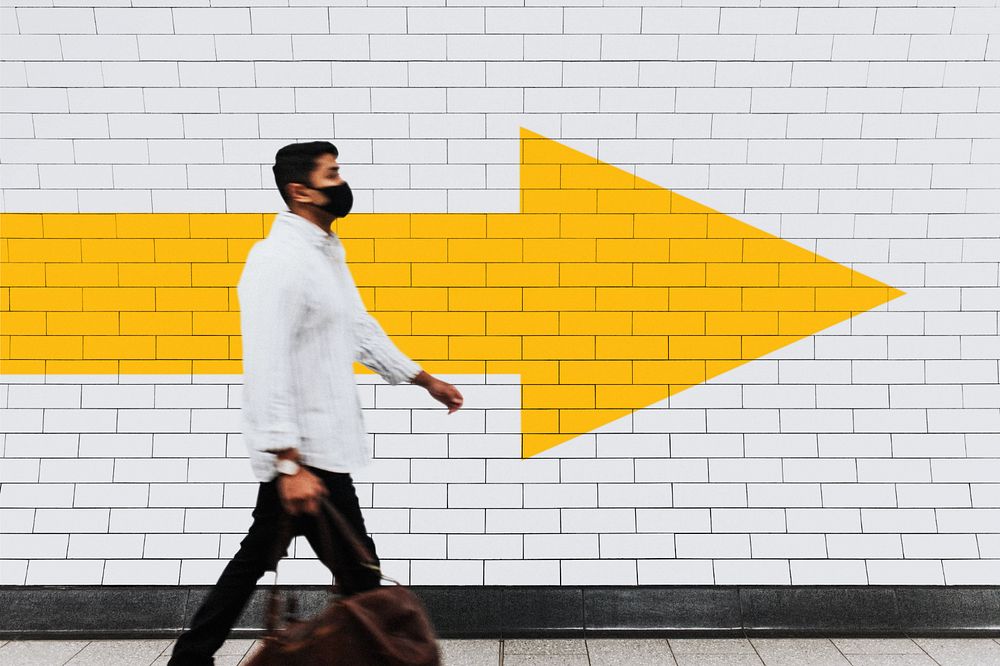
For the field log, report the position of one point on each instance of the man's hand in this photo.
(301, 492)
(441, 391)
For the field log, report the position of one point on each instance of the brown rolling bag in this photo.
(384, 626)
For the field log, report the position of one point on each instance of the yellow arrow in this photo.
(606, 293)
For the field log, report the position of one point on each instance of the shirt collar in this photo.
(307, 230)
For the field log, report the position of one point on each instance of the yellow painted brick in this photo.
(824, 274)
(367, 297)
(595, 323)
(444, 367)
(45, 298)
(595, 274)
(118, 346)
(704, 299)
(370, 274)
(545, 176)
(448, 225)
(724, 226)
(559, 298)
(215, 275)
(706, 250)
(227, 225)
(522, 323)
(22, 275)
(605, 225)
(76, 225)
(522, 225)
(4, 254)
(236, 347)
(22, 323)
(237, 249)
(633, 249)
(156, 323)
(449, 323)
(522, 275)
(420, 347)
(778, 298)
(359, 249)
(153, 225)
(558, 346)
(4, 347)
(595, 372)
(154, 367)
(682, 204)
(531, 372)
(4, 298)
(704, 346)
(808, 323)
(81, 323)
(755, 346)
(484, 347)
(117, 249)
(559, 201)
(679, 323)
(484, 249)
(410, 249)
(396, 323)
(42, 249)
(234, 304)
(19, 367)
(670, 225)
(444, 275)
(566, 396)
(741, 323)
(540, 420)
(192, 346)
(481, 299)
(21, 225)
(741, 275)
(81, 275)
(192, 298)
(594, 176)
(633, 298)
(411, 299)
(81, 367)
(46, 346)
(775, 249)
(560, 249)
(373, 225)
(155, 275)
(668, 275)
(184, 249)
(636, 396)
(216, 367)
(632, 346)
(209, 323)
(119, 298)
(633, 201)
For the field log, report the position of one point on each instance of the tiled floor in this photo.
(570, 652)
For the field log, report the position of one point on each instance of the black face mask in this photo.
(340, 199)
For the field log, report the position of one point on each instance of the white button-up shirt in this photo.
(304, 325)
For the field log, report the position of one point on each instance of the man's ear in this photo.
(298, 193)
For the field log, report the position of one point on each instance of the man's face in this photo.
(325, 174)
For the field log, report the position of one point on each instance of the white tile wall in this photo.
(865, 455)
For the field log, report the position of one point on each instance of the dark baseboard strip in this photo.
(521, 612)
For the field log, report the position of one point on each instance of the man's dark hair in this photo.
(293, 163)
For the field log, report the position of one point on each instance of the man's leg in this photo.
(215, 617)
(342, 495)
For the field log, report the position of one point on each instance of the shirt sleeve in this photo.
(272, 304)
(375, 350)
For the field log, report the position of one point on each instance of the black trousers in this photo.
(213, 621)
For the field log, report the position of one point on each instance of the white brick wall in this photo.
(867, 454)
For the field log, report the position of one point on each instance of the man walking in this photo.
(303, 325)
